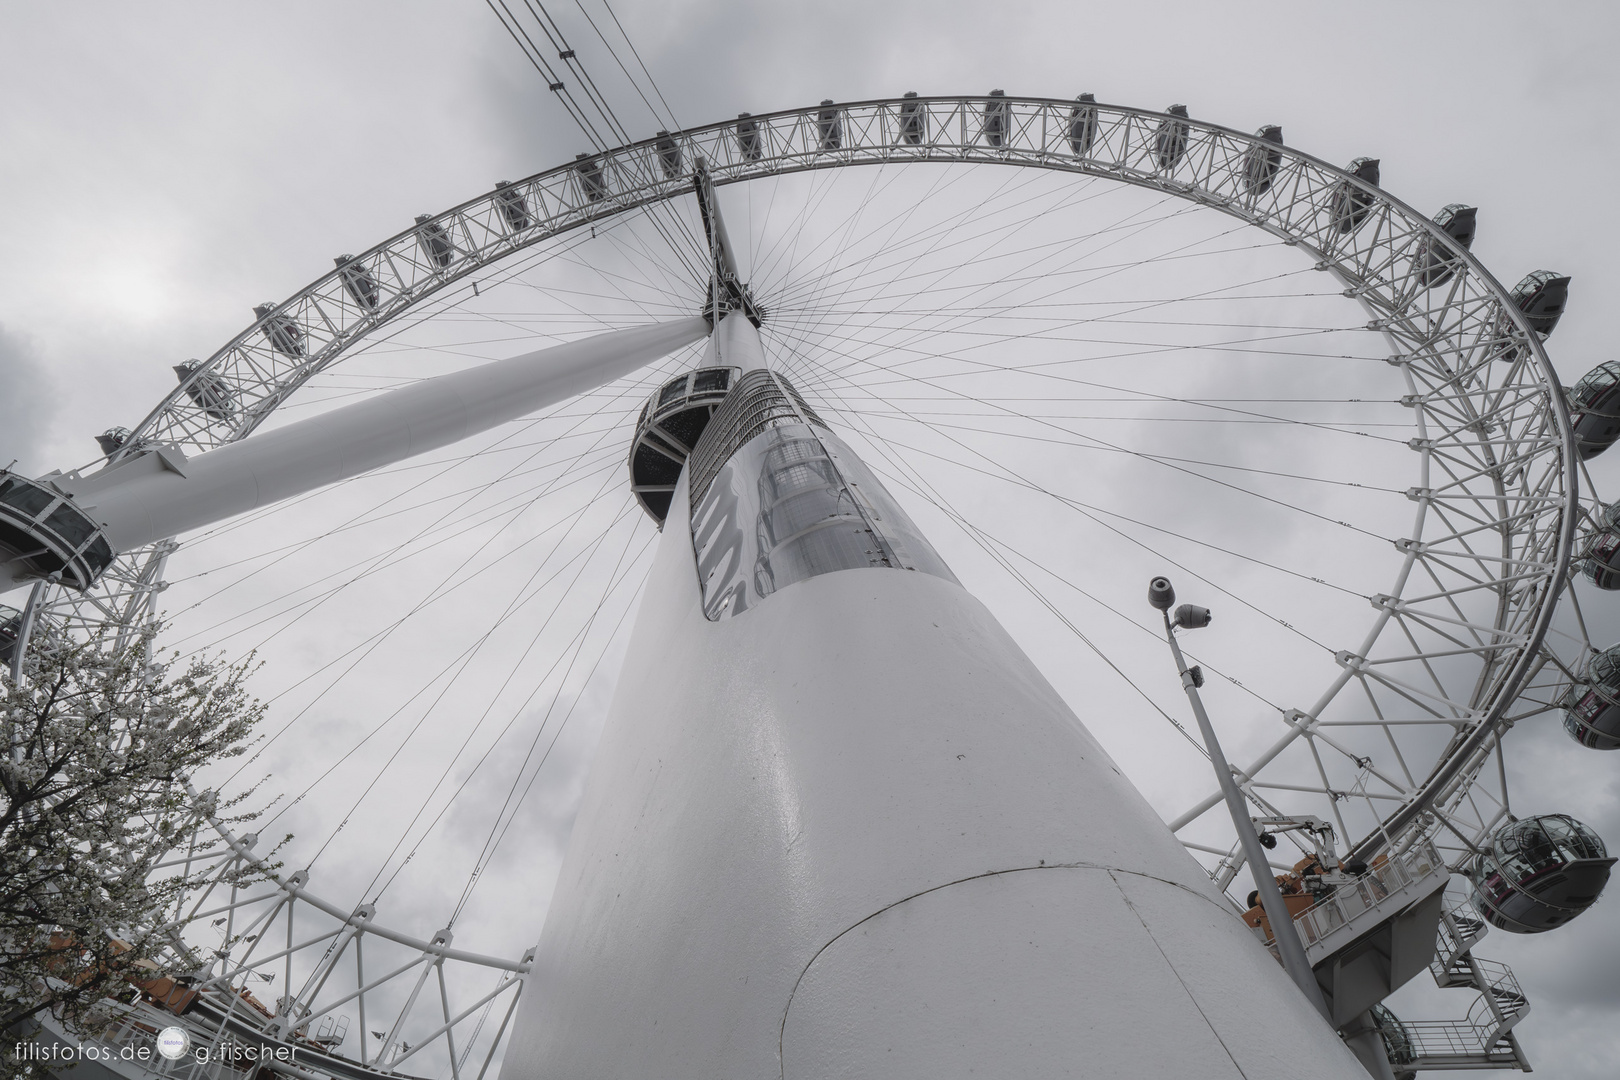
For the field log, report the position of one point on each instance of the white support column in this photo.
(735, 342)
(852, 832)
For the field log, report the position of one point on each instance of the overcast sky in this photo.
(167, 166)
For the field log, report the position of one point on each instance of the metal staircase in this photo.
(1362, 943)
(1484, 1038)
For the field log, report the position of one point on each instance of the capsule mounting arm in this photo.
(73, 525)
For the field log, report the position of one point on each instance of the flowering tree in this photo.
(95, 748)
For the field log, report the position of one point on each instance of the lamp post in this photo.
(1283, 930)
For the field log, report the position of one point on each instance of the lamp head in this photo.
(1160, 594)
(1192, 617)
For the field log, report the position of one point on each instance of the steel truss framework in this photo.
(1457, 639)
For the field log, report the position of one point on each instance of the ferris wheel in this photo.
(1085, 343)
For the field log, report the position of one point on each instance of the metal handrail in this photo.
(1347, 906)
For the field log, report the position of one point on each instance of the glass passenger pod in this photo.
(1350, 204)
(1592, 703)
(113, 440)
(913, 120)
(1398, 1044)
(1436, 260)
(667, 430)
(592, 180)
(669, 155)
(1539, 873)
(10, 631)
(1594, 405)
(1262, 160)
(358, 282)
(829, 127)
(997, 118)
(514, 207)
(1541, 296)
(1600, 552)
(435, 241)
(749, 144)
(47, 533)
(206, 389)
(284, 335)
(1170, 141)
(1083, 125)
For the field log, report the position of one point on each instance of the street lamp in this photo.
(1283, 930)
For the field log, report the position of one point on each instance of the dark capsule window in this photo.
(359, 284)
(996, 120)
(913, 121)
(70, 525)
(1538, 873)
(590, 177)
(29, 499)
(1542, 296)
(669, 155)
(1170, 141)
(1350, 203)
(99, 556)
(673, 390)
(113, 439)
(281, 331)
(828, 130)
(1261, 162)
(1083, 124)
(748, 142)
(514, 209)
(1436, 260)
(435, 242)
(710, 380)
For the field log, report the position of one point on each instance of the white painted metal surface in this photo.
(735, 342)
(151, 496)
(853, 832)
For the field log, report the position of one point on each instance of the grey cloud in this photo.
(27, 402)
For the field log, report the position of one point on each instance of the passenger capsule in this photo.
(281, 331)
(668, 430)
(10, 631)
(591, 179)
(1436, 260)
(1350, 204)
(1083, 125)
(1592, 703)
(206, 390)
(514, 207)
(358, 282)
(1594, 406)
(435, 241)
(1170, 142)
(829, 131)
(997, 120)
(1262, 160)
(1541, 296)
(113, 440)
(1600, 552)
(669, 155)
(1398, 1045)
(748, 140)
(913, 120)
(1539, 873)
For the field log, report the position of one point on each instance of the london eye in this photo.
(1033, 349)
